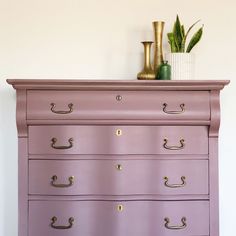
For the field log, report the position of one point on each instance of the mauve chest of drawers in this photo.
(118, 158)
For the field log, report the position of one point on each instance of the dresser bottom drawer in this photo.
(113, 218)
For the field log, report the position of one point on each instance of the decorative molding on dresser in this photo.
(115, 158)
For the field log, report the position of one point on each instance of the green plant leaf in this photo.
(182, 48)
(195, 39)
(186, 35)
(172, 42)
(191, 28)
(183, 31)
(178, 37)
(177, 31)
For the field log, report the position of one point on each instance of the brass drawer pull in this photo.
(175, 227)
(54, 140)
(175, 185)
(54, 219)
(70, 179)
(70, 106)
(173, 147)
(174, 112)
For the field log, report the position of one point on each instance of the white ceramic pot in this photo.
(182, 66)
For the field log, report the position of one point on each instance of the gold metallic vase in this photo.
(147, 73)
(158, 27)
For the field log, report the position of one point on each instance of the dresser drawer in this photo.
(102, 218)
(175, 105)
(118, 177)
(118, 140)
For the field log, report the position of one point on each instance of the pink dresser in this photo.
(118, 158)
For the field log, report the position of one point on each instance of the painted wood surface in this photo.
(129, 85)
(132, 140)
(99, 218)
(119, 177)
(172, 105)
(133, 132)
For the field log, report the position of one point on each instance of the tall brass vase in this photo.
(147, 73)
(158, 27)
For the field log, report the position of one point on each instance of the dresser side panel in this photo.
(213, 163)
(22, 162)
(214, 187)
(23, 187)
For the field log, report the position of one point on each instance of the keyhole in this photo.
(119, 132)
(120, 208)
(119, 167)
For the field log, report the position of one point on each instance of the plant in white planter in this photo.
(180, 58)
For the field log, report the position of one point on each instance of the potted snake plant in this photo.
(181, 58)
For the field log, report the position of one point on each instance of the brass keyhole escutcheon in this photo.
(119, 167)
(118, 132)
(120, 208)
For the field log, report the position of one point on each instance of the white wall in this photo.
(101, 40)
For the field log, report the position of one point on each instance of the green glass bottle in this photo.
(164, 72)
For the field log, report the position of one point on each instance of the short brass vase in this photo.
(158, 27)
(147, 73)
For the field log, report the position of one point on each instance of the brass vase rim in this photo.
(162, 22)
(147, 42)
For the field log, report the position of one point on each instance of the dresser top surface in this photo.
(118, 84)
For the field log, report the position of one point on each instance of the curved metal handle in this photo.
(175, 185)
(54, 179)
(175, 227)
(70, 106)
(174, 112)
(182, 144)
(54, 140)
(54, 219)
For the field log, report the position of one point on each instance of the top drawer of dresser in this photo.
(173, 105)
